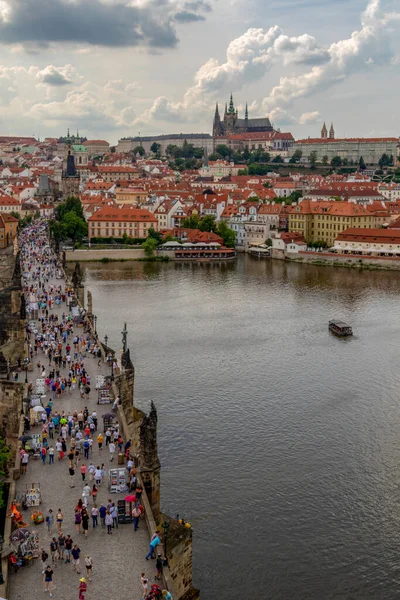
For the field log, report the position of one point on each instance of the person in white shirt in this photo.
(111, 448)
(97, 476)
(59, 449)
(91, 471)
(86, 494)
(24, 462)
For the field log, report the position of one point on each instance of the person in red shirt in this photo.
(82, 588)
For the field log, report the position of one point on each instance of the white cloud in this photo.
(366, 48)
(309, 118)
(250, 56)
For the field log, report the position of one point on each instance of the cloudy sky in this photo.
(118, 67)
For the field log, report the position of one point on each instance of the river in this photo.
(278, 441)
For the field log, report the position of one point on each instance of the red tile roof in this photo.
(123, 213)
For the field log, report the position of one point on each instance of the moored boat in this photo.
(340, 328)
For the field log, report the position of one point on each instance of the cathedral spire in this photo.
(246, 114)
(231, 106)
(324, 131)
(332, 132)
(216, 117)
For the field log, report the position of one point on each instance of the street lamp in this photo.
(95, 324)
(165, 527)
(112, 368)
(1, 560)
(106, 340)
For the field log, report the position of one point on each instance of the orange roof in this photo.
(337, 207)
(340, 140)
(364, 234)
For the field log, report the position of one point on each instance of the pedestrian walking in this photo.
(71, 470)
(44, 556)
(95, 514)
(68, 547)
(54, 550)
(76, 553)
(61, 545)
(159, 567)
(48, 580)
(114, 514)
(86, 494)
(97, 476)
(89, 567)
(100, 441)
(85, 522)
(102, 513)
(78, 521)
(60, 519)
(51, 455)
(83, 472)
(82, 588)
(94, 493)
(43, 454)
(109, 521)
(24, 462)
(49, 521)
(136, 512)
(144, 581)
(111, 449)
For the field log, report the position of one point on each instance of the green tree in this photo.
(138, 150)
(155, 148)
(5, 455)
(325, 159)
(71, 204)
(191, 222)
(278, 159)
(75, 227)
(361, 164)
(296, 157)
(215, 156)
(198, 153)
(227, 234)
(149, 246)
(156, 235)
(268, 242)
(223, 150)
(336, 161)
(15, 214)
(312, 158)
(207, 223)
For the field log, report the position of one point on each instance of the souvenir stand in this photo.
(124, 511)
(118, 481)
(33, 496)
(30, 547)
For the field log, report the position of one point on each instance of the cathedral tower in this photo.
(217, 125)
(332, 132)
(324, 131)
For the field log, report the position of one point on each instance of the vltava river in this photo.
(279, 442)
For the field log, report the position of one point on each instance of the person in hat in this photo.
(82, 588)
(159, 567)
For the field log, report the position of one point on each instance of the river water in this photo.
(278, 441)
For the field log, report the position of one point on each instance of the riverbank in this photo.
(329, 259)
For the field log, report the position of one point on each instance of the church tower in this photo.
(246, 117)
(230, 117)
(332, 132)
(324, 131)
(217, 125)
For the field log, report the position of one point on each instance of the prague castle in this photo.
(231, 123)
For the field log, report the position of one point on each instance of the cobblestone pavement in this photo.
(118, 559)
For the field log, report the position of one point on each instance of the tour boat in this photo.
(340, 328)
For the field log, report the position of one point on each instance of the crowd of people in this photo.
(60, 354)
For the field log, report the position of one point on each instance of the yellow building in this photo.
(131, 195)
(323, 221)
(8, 230)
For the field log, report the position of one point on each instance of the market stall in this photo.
(118, 481)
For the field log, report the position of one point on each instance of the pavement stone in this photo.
(118, 559)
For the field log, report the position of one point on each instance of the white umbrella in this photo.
(38, 408)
